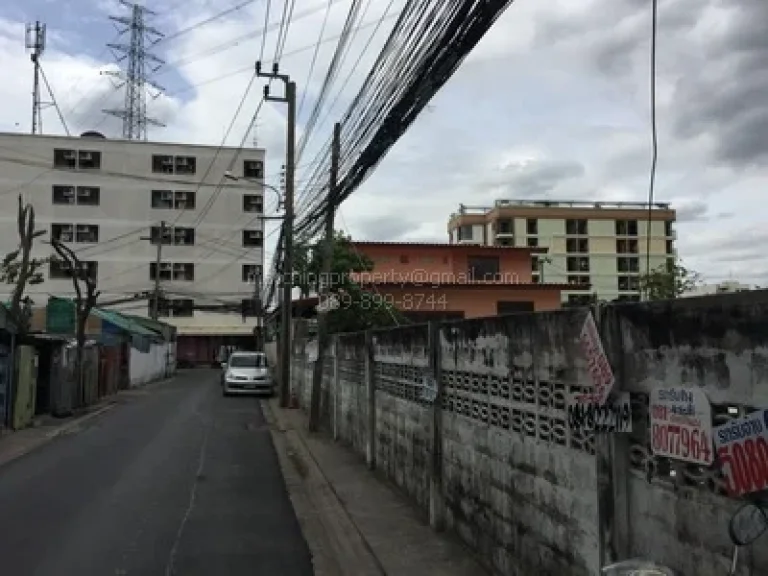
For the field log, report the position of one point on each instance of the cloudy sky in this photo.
(554, 103)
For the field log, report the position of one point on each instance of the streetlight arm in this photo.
(229, 176)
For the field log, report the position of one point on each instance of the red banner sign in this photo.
(742, 449)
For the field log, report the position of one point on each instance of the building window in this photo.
(87, 233)
(577, 263)
(580, 299)
(532, 242)
(580, 280)
(177, 308)
(253, 238)
(532, 226)
(253, 203)
(577, 245)
(76, 195)
(80, 233)
(628, 283)
(178, 271)
(59, 270)
(251, 273)
(505, 242)
(576, 227)
(670, 246)
(167, 164)
(626, 246)
(535, 263)
(76, 159)
(668, 230)
(628, 264)
(626, 227)
(178, 199)
(465, 233)
(174, 235)
(253, 169)
(483, 268)
(505, 226)
(535, 279)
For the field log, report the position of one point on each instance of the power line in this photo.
(314, 57)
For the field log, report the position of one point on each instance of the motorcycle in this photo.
(748, 524)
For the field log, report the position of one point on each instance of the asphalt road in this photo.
(177, 480)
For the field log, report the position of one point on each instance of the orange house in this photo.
(441, 281)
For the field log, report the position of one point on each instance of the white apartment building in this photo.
(595, 247)
(107, 198)
(724, 287)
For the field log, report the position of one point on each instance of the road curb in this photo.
(72, 424)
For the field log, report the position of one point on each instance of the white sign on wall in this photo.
(681, 425)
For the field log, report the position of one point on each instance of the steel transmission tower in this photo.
(135, 78)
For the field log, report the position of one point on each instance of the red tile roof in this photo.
(538, 250)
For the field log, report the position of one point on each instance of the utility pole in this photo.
(325, 277)
(287, 288)
(158, 261)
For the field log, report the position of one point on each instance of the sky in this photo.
(554, 103)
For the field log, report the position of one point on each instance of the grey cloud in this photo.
(535, 179)
(692, 212)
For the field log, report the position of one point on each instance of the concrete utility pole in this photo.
(290, 168)
(325, 277)
(158, 262)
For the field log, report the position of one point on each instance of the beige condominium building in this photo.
(597, 247)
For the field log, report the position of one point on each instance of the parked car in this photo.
(247, 373)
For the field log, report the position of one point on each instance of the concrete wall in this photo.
(145, 367)
(511, 477)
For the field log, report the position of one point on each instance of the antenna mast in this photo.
(35, 44)
(135, 78)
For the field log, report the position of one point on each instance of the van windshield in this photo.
(248, 361)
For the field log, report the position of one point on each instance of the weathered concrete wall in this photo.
(403, 419)
(519, 486)
(351, 404)
(720, 345)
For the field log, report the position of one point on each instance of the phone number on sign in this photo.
(681, 442)
(372, 301)
(745, 465)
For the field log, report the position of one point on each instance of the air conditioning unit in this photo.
(86, 156)
(166, 267)
(70, 155)
(167, 196)
(68, 192)
(181, 161)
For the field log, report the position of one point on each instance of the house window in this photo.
(251, 273)
(629, 283)
(532, 226)
(72, 195)
(87, 233)
(626, 227)
(177, 308)
(253, 203)
(253, 238)
(576, 227)
(483, 268)
(253, 169)
(532, 242)
(465, 233)
(59, 270)
(577, 264)
(167, 164)
(668, 230)
(628, 264)
(175, 235)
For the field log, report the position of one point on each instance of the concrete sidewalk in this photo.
(356, 524)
